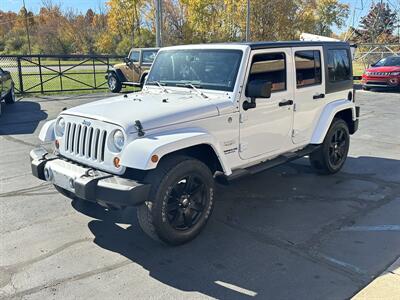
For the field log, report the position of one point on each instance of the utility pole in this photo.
(248, 22)
(158, 23)
(27, 27)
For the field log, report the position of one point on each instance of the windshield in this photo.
(388, 61)
(208, 69)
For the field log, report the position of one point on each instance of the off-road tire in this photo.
(153, 215)
(330, 157)
(114, 85)
(10, 97)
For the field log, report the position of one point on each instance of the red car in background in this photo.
(383, 74)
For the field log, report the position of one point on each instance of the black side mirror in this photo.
(373, 65)
(257, 89)
(127, 60)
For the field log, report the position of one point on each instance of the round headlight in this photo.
(119, 139)
(60, 127)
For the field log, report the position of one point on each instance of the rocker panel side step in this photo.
(279, 160)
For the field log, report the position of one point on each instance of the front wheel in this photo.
(330, 157)
(180, 201)
(114, 84)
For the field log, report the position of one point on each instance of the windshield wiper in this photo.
(159, 84)
(193, 87)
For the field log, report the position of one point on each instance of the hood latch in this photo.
(139, 128)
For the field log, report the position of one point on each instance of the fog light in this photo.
(117, 162)
(48, 174)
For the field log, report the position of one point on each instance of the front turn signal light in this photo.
(117, 162)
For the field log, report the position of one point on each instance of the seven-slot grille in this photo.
(379, 73)
(85, 141)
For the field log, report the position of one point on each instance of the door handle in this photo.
(286, 102)
(319, 96)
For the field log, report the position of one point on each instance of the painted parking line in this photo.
(372, 228)
(341, 263)
(236, 288)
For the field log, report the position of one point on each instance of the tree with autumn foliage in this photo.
(131, 23)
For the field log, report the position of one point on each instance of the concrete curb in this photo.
(385, 286)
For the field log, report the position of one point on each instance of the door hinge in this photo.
(242, 147)
(294, 107)
(294, 132)
(242, 118)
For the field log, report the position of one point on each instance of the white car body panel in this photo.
(326, 117)
(139, 152)
(46, 133)
(307, 108)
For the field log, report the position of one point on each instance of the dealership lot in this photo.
(285, 233)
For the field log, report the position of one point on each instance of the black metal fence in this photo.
(58, 73)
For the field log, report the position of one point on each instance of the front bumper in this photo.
(381, 82)
(87, 183)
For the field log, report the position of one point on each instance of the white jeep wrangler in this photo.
(207, 112)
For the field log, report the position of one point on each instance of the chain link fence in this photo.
(58, 73)
(367, 54)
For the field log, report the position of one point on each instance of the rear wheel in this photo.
(330, 157)
(10, 97)
(114, 84)
(180, 202)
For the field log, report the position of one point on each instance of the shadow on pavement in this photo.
(21, 117)
(394, 90)
(265, 231)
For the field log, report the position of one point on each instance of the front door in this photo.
(309, 92)
(267, 128)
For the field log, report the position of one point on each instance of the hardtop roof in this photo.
(264, 45)
(261, 45)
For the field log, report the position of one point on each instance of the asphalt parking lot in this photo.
(285, 233)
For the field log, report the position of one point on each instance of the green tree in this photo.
(329, 13)
(378, 25)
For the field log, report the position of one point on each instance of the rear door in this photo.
(309, 94)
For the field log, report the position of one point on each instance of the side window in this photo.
(338, 65)
(134, 56)
(308, 68)
(270, 67)
(148, 57)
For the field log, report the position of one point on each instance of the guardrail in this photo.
(58, 73)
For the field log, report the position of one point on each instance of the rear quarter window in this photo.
(339, 65)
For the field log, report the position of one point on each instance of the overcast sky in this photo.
(358, 8)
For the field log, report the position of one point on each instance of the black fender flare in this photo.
(118, 73)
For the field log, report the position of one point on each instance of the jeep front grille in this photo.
(85, 141)
(379, 73)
